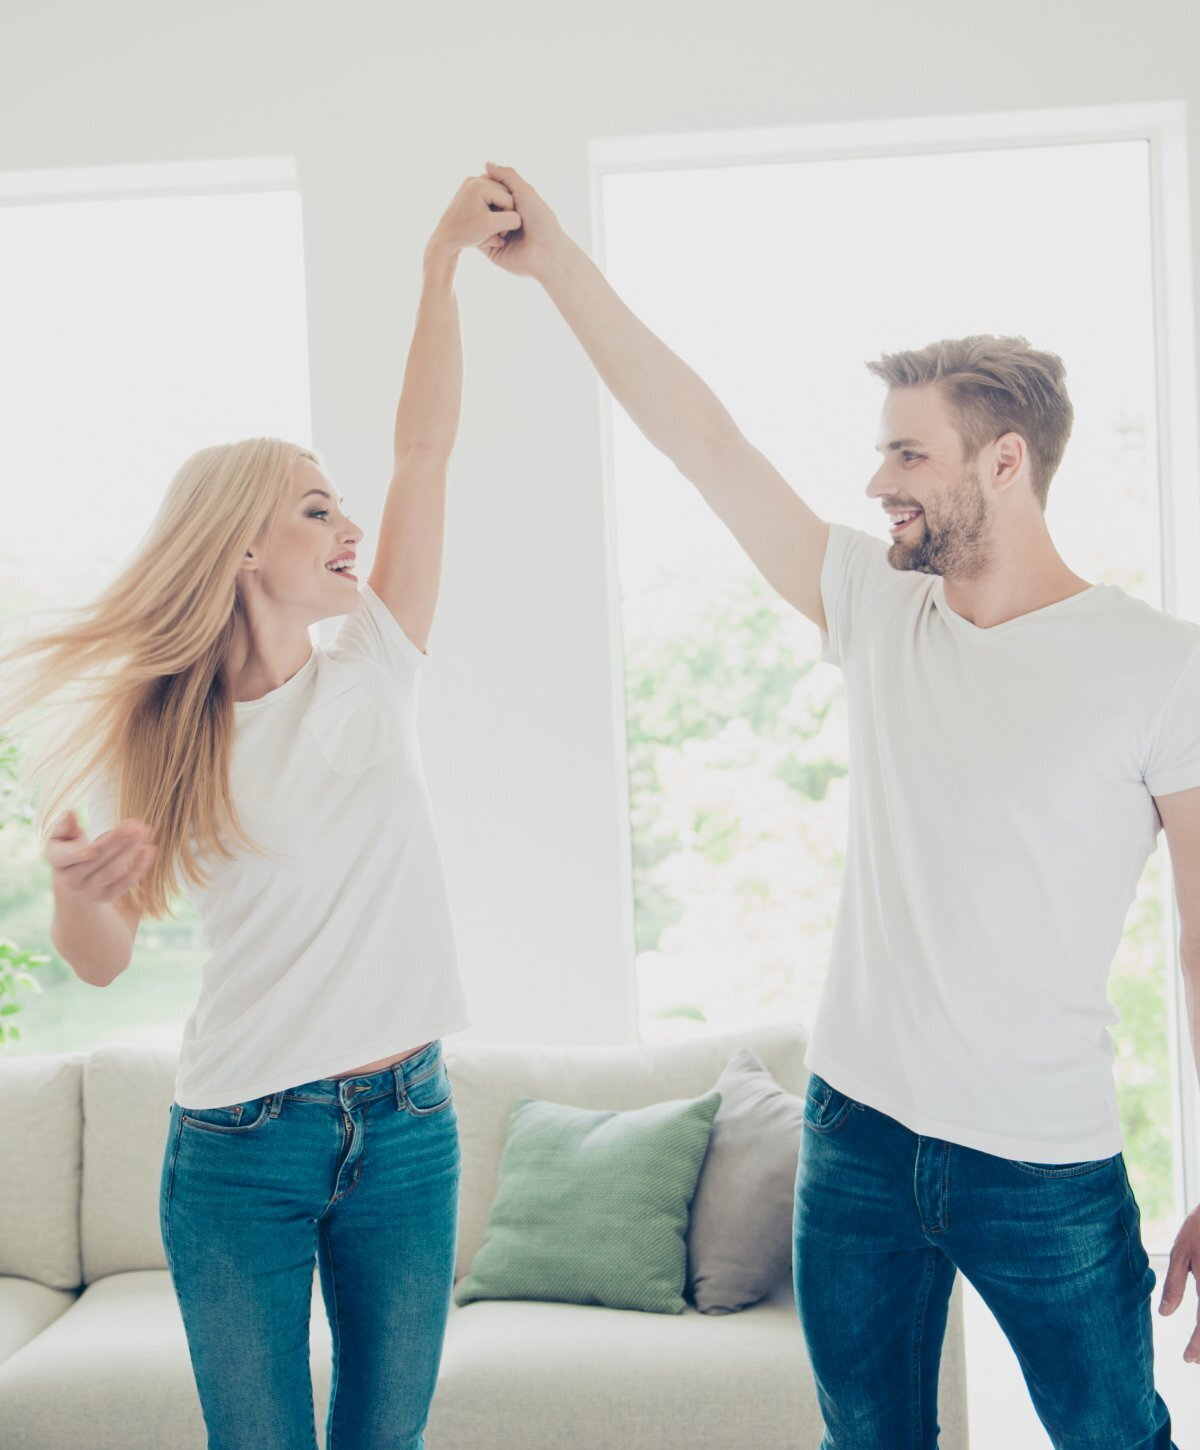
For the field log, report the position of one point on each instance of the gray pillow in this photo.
(740, 1224)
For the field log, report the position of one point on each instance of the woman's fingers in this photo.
(128, 870)
(83, 866)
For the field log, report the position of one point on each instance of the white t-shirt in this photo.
(340, 951)
(1001, 813)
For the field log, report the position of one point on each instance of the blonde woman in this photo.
(281, 786)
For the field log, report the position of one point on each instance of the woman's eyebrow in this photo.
(323, 494)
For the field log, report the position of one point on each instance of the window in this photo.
(148, 312)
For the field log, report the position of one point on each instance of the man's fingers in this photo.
(1175, 1282)
(495, 193)
(1192, 1352)
(506, 174)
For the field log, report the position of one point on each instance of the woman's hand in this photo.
(481, 213)
(99, 870)
(526, 251)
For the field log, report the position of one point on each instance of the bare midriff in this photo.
(382, 1063)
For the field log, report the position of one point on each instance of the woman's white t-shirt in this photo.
(340, 949)
(1001, 814)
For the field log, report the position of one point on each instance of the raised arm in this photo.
(673, 407)
(407, 569)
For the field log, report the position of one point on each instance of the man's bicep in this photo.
(783, 537)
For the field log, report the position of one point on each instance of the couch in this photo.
(92, 1350)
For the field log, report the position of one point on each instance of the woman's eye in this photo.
(318, 513)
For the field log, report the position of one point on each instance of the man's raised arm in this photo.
(672, 406)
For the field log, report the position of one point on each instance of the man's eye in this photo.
(906, 455)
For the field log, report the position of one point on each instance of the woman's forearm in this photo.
(431, 398)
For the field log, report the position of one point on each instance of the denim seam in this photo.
(338, 1342)
(170, 1191)
(1147, 1373)
(918, 1336)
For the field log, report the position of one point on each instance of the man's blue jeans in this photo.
(883, 1219)
(359, 1175)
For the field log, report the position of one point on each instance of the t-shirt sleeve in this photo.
(1173, 757)
(373, 632)
(855, 567)
(101, 802)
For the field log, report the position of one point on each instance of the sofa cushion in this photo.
(740, 1233)
(127, 1093)
(489, 1078)
(592, 1205)
(40, 1127)
(26, 1308)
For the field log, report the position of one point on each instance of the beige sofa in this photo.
(92, 1350)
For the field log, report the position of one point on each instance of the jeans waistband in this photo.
(366, 1086)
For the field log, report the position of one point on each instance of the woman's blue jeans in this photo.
(883, 1219)
(359, 1174)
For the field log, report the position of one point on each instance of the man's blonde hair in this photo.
(994, 385)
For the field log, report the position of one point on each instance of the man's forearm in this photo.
(676, 410)
(431, 398)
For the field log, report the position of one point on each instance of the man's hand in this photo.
(480, 214)
(1185, 1259)
(526, 251)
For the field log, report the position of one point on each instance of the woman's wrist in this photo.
(441, 258)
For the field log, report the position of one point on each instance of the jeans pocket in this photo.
(235, 1118)
(826, 1109)
(430, 1093)
(1063, 1170)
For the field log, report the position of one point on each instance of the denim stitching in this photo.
(1147, 1376)
(337, 1358)
(918, 1335)
(166, 1225)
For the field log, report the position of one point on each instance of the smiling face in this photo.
(941, 521)
(307, 534)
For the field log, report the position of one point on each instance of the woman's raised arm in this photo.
(407, 569)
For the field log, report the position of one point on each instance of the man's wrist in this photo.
(562, 263)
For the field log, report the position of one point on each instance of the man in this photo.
(1017, 735)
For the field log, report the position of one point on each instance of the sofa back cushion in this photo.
(40, 1124)
(489, 1078)
(127, 1093)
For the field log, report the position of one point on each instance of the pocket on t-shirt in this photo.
(353, 731)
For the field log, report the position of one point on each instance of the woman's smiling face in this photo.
(308, 534)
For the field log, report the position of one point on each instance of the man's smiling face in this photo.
(934, 496)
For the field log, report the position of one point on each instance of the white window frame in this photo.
(1161, 124)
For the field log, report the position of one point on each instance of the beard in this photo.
(955, 534)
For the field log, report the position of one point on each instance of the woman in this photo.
(281, 785)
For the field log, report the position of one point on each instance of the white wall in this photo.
(387, 106)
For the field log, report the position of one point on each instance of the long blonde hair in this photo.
(147, 660)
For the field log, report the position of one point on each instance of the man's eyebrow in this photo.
(900, 443)
(323, 494)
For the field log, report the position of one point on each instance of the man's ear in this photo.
(1008, 458)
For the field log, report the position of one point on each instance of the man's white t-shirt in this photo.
(340, 949)
(1001, 813)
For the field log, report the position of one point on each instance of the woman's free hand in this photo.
(481, 213)
(98, 870)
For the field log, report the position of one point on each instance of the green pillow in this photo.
(592, 1206)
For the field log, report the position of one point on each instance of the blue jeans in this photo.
(360, 1174)
(883, 1219)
